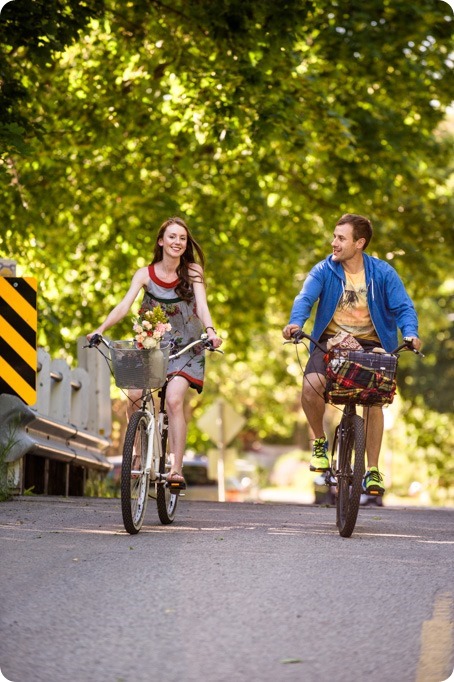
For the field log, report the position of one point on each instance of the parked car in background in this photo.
(199, 485)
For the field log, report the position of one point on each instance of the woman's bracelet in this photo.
(214, 330)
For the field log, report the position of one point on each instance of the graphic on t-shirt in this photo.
(352, 313)
(351, 298)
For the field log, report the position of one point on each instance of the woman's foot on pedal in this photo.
(175, 481)
(319, 460)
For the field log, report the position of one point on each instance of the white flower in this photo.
(149, 342)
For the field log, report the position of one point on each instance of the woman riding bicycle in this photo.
(365, 297)
(174, 281)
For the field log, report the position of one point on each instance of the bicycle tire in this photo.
(134, 486)
(165, 499)
(350, 472)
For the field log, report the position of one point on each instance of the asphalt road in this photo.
(263, 593)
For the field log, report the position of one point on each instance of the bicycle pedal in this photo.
(175, 487)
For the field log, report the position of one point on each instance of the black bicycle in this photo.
(354, 378)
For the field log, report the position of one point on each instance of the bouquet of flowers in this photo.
(150, 327)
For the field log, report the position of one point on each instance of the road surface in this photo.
(229, 592)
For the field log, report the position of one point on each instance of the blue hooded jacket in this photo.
(390, 306)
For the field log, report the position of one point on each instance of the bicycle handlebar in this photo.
(407, 345)
(299, 335)
(96, 339)
(206, 344)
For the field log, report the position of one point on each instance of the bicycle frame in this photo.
(154, 444)
(155, 427)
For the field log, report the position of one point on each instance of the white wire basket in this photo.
(138, 367)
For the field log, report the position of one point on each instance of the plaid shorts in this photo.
(316, 363)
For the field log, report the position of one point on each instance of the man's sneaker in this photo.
(319, 460)
(373, 482)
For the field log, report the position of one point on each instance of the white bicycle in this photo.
(145, 457)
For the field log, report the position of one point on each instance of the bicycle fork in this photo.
(334, 473)
(154, 451)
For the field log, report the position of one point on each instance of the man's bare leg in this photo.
(313, 403)
(374, 422)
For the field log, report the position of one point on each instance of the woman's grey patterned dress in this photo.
(186, 327)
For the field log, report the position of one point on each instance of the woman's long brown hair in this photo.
(184, 288)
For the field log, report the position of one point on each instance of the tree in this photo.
(260, 122)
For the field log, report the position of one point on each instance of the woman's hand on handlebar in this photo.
(94, 339)
(289, 331)
(214, 341)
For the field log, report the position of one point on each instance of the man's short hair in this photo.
(362, 227)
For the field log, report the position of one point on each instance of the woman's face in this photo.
(174, 240)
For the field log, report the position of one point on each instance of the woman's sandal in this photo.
(175, 481)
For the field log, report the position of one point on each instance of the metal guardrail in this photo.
(69, 426)
(25, 431)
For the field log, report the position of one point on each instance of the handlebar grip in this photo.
(408, 343)
(95, 340)
(298, 335)
(209, 346)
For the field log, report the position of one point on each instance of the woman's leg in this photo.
(176, 391)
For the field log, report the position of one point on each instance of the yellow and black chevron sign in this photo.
(18, 324)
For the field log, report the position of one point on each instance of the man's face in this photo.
(344, 246)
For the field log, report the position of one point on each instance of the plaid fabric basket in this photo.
(362, 378)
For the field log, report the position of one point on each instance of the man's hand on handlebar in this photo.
(413, 342)
(290, 330)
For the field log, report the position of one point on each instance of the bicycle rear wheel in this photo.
(134, 479)
(350, 471)
(166, 500)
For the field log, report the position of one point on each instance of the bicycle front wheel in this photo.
(166, 500)
(134, 479)
(350, 471)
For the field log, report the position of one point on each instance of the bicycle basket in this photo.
(361, 378)
(138, 367)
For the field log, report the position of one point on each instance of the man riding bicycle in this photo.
(365, 297)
